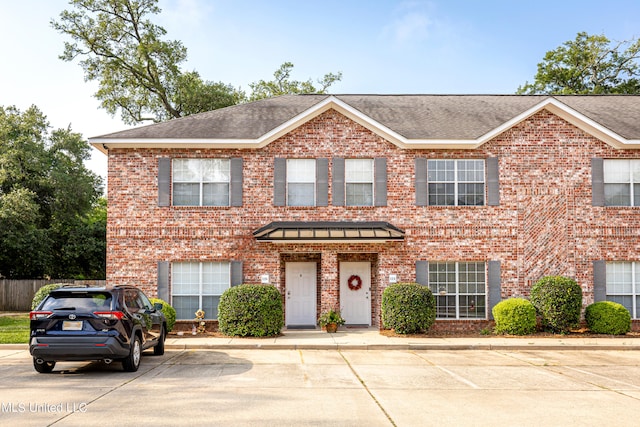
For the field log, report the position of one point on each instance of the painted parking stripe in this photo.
(602, 376)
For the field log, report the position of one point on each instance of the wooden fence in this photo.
(16, 295)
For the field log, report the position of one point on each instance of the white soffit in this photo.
(551, 104)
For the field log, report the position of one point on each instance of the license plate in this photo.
(71, 326)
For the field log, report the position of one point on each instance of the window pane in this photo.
(442, 195)
(358, 170)
(442, 277)
(446, 307)
(359, 194)
(301, 194)
(619, 278)
(301, 170)
(471, 170)
(186, 278)
(472, 306)
(635, 170)
(186, 170)
(471, 278)
(215, 278)
(210, 307)
(616, 171)
(470, 194)
(617, 194)
(215, 194)
(215, 170)
(185, 307)
(636, 194)
(186, 194)
(627, 301)
(441, 170)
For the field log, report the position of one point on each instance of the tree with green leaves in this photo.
(283, 85)
(138, 72)
(46, 193)
(588, 65)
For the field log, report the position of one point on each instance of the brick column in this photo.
(329, 286)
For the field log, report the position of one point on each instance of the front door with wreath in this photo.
(355, 292)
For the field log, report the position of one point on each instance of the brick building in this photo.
(332, 198)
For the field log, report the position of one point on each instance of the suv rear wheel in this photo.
(42, 366)
(131, 363)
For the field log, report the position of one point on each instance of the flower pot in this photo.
(331, 327)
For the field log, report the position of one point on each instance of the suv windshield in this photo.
(93, 301)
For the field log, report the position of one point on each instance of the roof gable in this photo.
(408, 121)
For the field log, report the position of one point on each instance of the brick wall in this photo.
(545, 223)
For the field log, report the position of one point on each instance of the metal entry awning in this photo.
(329, 232)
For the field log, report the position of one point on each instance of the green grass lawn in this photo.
(14, 329)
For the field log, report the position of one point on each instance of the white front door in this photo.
(355, 303)
(301, 293)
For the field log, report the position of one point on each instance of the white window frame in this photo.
(308, 177)
(635, 285)
(351, 168)
(456, 181)
(613, 176)
(201, 285)
(201, 179)
(440, 291)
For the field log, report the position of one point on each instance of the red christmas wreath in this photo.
(354, 282)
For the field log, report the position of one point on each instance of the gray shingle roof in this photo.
(411, 116)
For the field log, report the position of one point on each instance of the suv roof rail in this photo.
(81, 285)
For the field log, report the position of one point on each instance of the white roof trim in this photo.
(552, 104)
(570, 115)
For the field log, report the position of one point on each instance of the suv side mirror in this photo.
(158, 306)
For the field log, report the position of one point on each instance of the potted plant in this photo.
(330, 320)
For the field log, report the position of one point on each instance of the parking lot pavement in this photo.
(236, 387)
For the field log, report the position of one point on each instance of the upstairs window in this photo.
(455, 182)
(622, 182)
(301, 182)
(359, 182)
(201, 182)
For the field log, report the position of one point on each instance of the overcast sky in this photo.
(380, 46)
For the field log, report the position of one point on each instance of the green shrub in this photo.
(608, 317)
(558, 301)
(168, 311)
(42, 293)
(514, 316)
(251, 310)
(408, 308)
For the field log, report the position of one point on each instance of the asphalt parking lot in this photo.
(330, 387)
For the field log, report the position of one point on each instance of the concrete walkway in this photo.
(371, 339)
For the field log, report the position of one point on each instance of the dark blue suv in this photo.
(89, 323)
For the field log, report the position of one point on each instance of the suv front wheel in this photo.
(131, 363)
(158, 350)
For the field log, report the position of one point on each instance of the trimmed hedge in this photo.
(42, 293)
(408, 308)
(251, 310)
(168, 311)
(558, 300)
(514, 316)
(608, 317)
